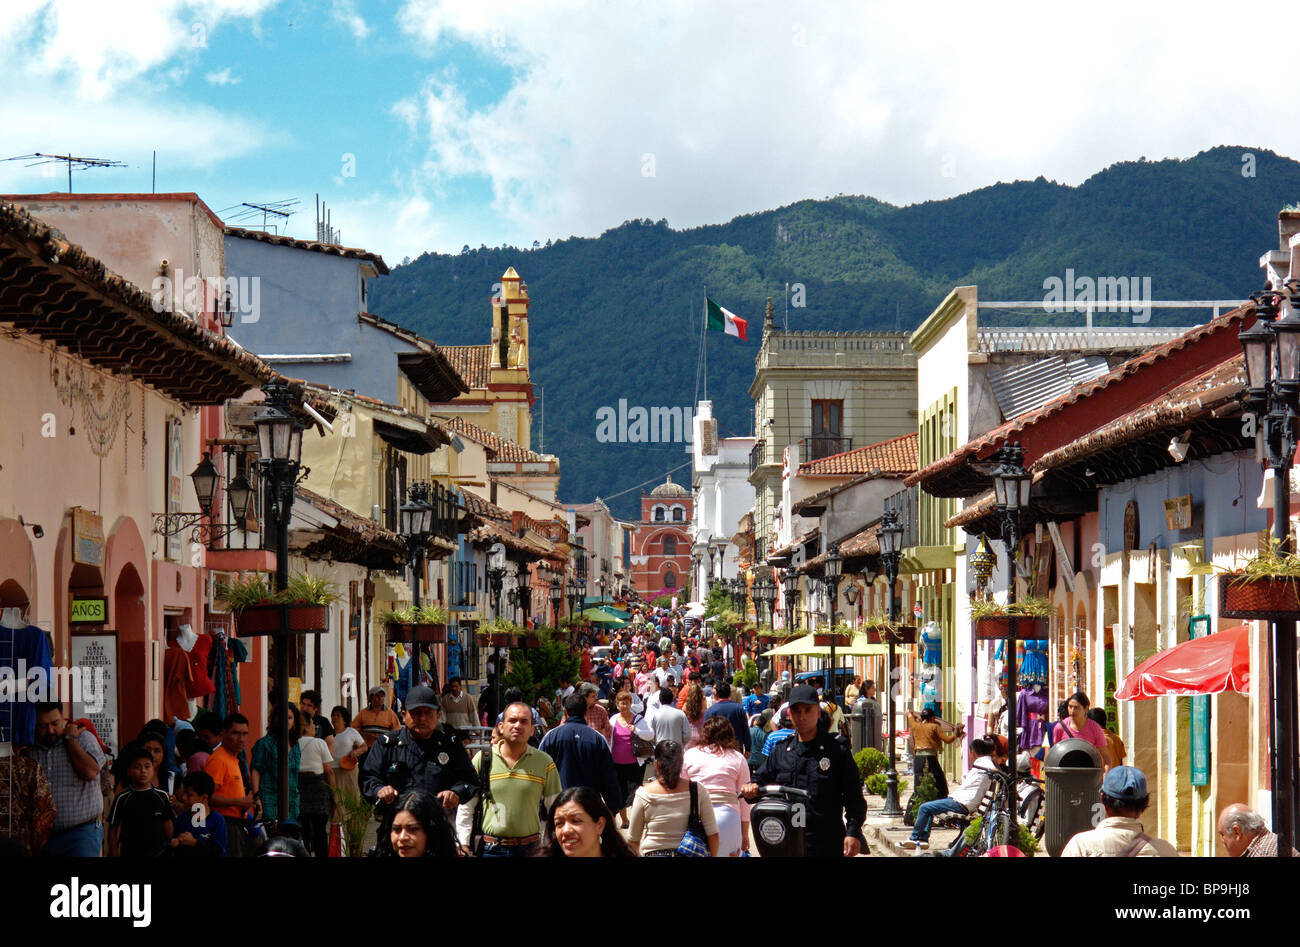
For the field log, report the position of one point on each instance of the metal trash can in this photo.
(857, 731)
(871, 714)
(1072, 772)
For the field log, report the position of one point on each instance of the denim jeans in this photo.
(510, 851)
(926, 813)
(82, 841)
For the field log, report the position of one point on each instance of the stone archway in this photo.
(128, 605)
(17, 568)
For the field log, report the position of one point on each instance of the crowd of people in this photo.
(657, 750)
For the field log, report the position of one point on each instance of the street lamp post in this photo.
(1272, 355)
(556, 594)
(279, 437)
(790, 584)
(575, 594)
(416, 516)
(833, 564)
(890, 537)
(1011, 483)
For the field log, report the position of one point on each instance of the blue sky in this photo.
(504, 121)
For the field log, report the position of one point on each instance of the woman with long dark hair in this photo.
(694, 708)
(580, 825)
(264, 766)
(419, 829)
(928, 733)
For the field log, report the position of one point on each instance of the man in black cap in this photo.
(417, 756)
(814, 761)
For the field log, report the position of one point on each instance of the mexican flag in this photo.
(725, 321)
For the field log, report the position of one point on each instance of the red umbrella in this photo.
(1209, 665)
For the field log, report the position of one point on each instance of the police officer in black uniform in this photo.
(814, 761)
(418, 756)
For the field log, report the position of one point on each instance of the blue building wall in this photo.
(309, 303)
(1223, 487)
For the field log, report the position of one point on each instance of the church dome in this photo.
(670, 489)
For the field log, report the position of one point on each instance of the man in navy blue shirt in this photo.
(581, 754)
(726, 707)
(754, 702)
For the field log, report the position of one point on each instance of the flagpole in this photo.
(704, 341)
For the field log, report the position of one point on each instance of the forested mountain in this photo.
(619, 316)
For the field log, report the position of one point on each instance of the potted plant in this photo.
(841, 636)
(397, 623)
(499, 632)
(881, 630)
(426, 623)
(1267, 587)
(303, 605)
(1026, 619)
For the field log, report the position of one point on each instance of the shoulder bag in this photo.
(693, 843)
(640, 745)
(484, 796)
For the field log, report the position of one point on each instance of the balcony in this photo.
(756, 455)
(823, 445)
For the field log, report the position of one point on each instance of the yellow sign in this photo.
(295, 690)
(89, 610)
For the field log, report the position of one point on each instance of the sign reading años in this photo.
(89, 611)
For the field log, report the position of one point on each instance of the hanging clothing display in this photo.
(23, 648)
(1031, 717)
(200, 681)
(226, 652)
(26, 803)
(1032, 668)
(177, 678)
(931, 641)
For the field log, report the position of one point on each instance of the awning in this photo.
(598, 616)
(421, 440)
(1211, 665)
(804, 647)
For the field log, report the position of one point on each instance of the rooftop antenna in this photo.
(249, 213)
(325, 232)
(72, 161)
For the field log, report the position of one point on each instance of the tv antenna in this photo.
(72, 161)
(249, 213)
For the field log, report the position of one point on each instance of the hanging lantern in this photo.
(982, 561)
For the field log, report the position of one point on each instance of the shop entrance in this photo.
(134, 673)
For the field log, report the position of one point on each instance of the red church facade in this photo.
(661, 545)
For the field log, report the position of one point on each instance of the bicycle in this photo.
(994, 810)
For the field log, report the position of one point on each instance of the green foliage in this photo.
(878, 783)
(747, 676)
(1029, 607)
(353, 813)
(926, 791)
(717, 601)
(1027, 843)
(863, 263)
(663, 601)
(870, 761)
(537, 671)
(303, 589)
(425, 614)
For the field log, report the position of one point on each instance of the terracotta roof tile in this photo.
(504, 451)
(985, 443)
(471, 362)
(898, 455)
(280, 240)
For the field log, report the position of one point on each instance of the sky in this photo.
(427, 125)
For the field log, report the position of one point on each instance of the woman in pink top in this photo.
(717, 765)
(1078, 726)
(629, 770)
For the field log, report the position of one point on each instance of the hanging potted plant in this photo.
(499, 632)
(430, 624)
(880, 630)
(1267, 587)
(1025, 619)
(304, 604)
(841, 636)
(398, 624)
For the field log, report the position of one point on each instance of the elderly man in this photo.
(597, 716)
(71, 759)
(1245, 834)
(1124, 797)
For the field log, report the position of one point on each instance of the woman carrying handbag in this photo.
(671, 816)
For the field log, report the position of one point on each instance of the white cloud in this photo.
(345, 12)
(748, 105)
(223, 77)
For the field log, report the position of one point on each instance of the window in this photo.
(670, 545)
(670, 579)
(659, 514)
(827, 428)
(678, 514)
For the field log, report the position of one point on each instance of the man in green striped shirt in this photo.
(520, 777)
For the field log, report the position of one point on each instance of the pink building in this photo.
(661, 543)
